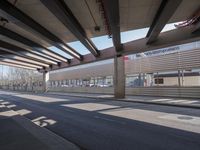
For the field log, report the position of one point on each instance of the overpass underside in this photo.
(29, 29)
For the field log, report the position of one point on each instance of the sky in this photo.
(103, 42)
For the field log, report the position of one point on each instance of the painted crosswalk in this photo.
(175, 101)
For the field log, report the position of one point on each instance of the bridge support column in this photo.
(45, 81)
(119, 77)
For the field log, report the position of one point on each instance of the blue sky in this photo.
(103, 42)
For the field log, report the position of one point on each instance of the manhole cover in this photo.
(185, 117)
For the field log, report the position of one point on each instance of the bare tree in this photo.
(20, 78)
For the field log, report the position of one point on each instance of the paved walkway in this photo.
(181, 102)
(19, 133)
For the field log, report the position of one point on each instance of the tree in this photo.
(18, 77)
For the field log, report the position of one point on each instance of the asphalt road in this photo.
(96, 124)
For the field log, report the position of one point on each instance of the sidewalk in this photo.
(19, 133)
(169, 101)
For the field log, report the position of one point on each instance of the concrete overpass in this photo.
(29, 28)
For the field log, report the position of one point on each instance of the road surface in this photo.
(97, 124)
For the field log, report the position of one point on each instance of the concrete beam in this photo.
(5, 45)
(9, 60)
(16, 65)
(112, 12)
(166, 39)
(164, 13)
(60, 9)
(35, 46)
(13, 14)
(89, 58)
(22, 57)
(23, 60)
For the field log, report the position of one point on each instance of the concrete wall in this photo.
(190, 92)
(191, 81)
(107, 90)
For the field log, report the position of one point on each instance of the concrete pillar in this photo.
(45, 81)
(182, 77)
(119, 77)
(157, 78)
(179, 78)
(143, 79)
(140, 80)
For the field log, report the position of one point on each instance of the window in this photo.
(159, 81)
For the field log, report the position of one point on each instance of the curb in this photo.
(133, 101)
(125, 100)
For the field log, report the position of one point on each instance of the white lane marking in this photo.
(177, 101)
(5, 103)
(111, 120)
(90, 106)
(160, 100)
(189, 102)
(2, 106)
(8, 113)
(11, 106)
(24, 111)
(182, 118)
